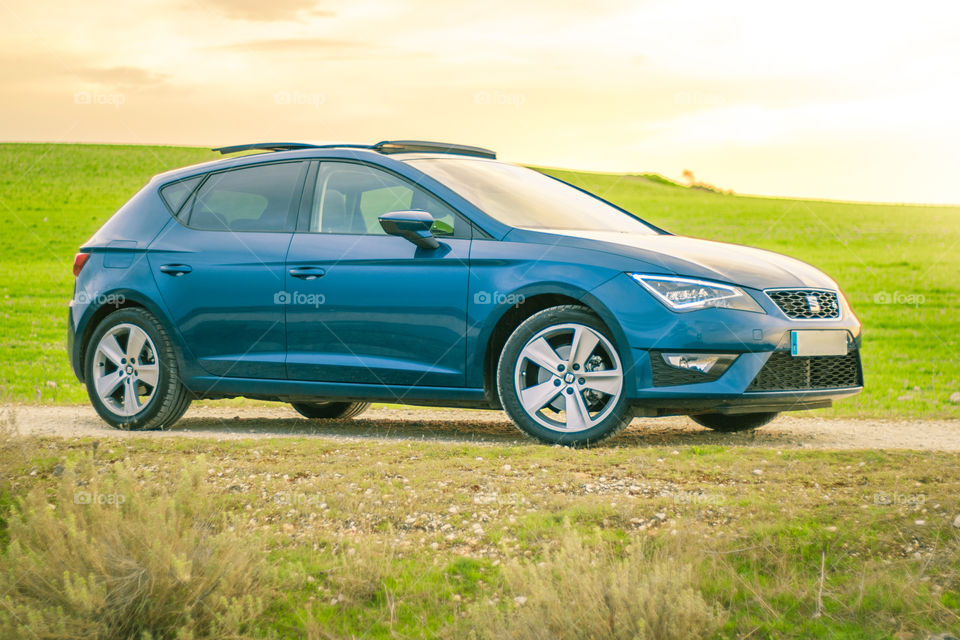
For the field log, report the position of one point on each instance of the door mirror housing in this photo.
(413, 225)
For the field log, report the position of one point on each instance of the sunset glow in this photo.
(824, 99)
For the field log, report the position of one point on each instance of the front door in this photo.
(365, 307)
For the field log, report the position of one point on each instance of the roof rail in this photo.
(386, 146)
(269, 146)
(425, 146)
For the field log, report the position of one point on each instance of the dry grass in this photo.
(110, 556)
(12, 444)
(360, 571)
(409, 540)
(585, 590)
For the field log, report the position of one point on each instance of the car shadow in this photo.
(362, 428)
(642, 432)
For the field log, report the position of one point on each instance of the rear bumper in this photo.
(73, 345)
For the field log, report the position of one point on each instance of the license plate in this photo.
(818, 343)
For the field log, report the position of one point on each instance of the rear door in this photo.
(365, 307)
(221, 267)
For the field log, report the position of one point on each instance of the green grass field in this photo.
(894, 263)
(318, 538)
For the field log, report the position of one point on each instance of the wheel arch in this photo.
(503, 324)
(113, 301)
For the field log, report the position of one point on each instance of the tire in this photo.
(330, 410)
(540, 356)
(731, 423)
(146, 389)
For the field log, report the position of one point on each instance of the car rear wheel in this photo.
(561, 379)
(131, 372)
(330, 410)
(730, 423)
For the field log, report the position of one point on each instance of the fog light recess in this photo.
(706, 363)
(671, 369)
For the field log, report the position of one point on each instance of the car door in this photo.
(221, 266)
(365, 307)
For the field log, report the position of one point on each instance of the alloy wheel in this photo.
(125, 369)
(568, 377)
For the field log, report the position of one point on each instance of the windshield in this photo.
(522, 197)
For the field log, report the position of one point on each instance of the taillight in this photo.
(78, 261)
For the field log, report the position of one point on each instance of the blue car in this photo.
(333, 276)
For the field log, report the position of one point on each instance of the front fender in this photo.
(504, 275)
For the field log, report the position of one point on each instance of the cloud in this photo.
(294, 45)
(271, 11)
(121, 76)
(51, 71)
(308, 50)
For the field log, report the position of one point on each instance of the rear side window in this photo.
(258, 198)
(176, 193)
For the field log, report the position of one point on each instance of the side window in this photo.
(258, 198)
(176, 193)
(350, 198)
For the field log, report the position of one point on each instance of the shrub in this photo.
(12, 449)
(360, 570)
(583, 591)
(110, 557)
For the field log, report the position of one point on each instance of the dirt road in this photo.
(224, 422)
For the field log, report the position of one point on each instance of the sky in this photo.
(825, 99)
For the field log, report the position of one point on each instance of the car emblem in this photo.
(814, 304)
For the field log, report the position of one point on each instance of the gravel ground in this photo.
(458, 425)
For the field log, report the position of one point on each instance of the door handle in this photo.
(175, 269)
(308, 273)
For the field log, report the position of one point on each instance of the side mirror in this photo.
(413, 225)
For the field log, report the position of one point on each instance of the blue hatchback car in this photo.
(332, 276)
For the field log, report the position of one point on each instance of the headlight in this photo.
(686, 294)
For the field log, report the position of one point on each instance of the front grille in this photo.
(806, 304)
(666, 376)
(783, 372)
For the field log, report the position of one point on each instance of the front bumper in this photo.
(752, 383)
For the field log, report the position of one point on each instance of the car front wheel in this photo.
(561, 379)
(131, 372)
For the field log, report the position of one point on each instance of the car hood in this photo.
(684, 256)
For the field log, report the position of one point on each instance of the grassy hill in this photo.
(897, 264)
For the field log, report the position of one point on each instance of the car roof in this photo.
(407, 149)
(390, 155)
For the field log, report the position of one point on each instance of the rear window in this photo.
(258, 198)
(176, 193)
